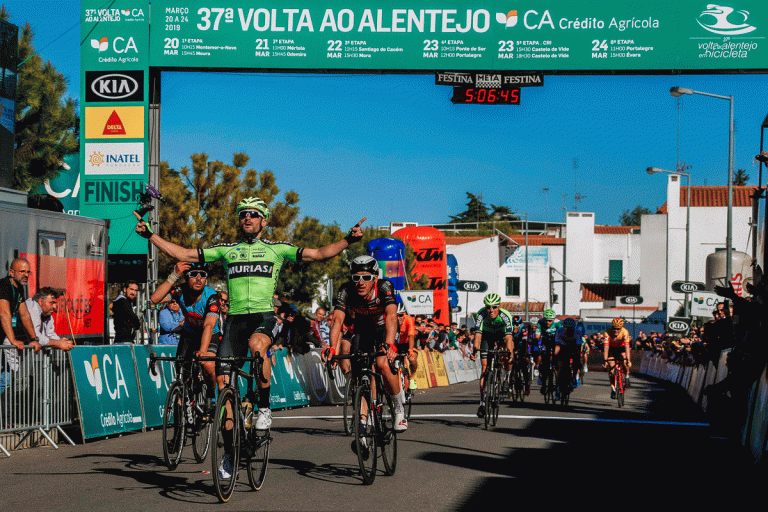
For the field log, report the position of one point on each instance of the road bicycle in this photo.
(617, 373)
(493, 383)
(237, 416)
(185, 411)
(519, 382)
(373, 420)
(550, 381)
(565, 380)
(404, 373)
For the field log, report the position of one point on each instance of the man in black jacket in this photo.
(126, 320)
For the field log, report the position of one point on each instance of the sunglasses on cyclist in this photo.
(366, 278)
(197, 273)
(493, 307)
(224, 302)
(253, 214)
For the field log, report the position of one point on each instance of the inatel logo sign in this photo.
(114, 86)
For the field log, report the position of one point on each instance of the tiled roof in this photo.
(519, 307)
(615, 230)
(599, 292)
(716, 196)
(703, 197)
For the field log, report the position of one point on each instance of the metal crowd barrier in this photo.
(36, 393)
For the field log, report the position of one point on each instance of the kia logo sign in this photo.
(115, 86)
(679, 325)
(472, 286)
(631, 300)
(687, 286)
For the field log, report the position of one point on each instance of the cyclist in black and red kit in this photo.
(367, 304)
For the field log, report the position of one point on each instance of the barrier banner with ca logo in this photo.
(107, 390)
(286, 389)
(154, 387)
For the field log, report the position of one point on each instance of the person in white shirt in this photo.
(41, 307)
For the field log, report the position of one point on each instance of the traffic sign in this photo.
(631, 300)
(679, 325)
(472, 286)
(687, 286)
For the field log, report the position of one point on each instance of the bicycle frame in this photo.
(369, 426)
(245, 441)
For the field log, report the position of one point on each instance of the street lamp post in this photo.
(654, 170)
(679, 91)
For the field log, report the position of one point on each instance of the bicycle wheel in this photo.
(520, 385)
(365, 434)
(488, 401)
(201, 440)
(349, 405)
(173, 425)
(620, 387)
(227, 447)
(496, 397)
(258, 457)
(564, 380)
(388, 437)
(551, 386)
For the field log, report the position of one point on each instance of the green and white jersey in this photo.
(252, 271)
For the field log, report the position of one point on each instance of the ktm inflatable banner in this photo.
(429, 246)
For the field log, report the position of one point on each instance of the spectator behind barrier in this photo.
(171, 323)
(14, 315)
(321, 328)
(41, 308)
(126, 321)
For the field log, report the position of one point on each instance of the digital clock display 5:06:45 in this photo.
(485, 96)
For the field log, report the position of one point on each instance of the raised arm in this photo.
(331, 250)
(176, 252)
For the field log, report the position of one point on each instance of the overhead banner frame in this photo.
(430, 35)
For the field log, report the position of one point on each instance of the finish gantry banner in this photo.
(561, 35)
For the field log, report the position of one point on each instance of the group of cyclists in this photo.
(546, 348)
(365, 316)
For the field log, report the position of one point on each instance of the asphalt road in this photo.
(658, 450)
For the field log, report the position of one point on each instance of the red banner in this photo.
(81, 306)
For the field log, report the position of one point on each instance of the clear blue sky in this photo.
(394, 148)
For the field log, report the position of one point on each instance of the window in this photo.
(513, 286)
(615, 271)
(52, 269)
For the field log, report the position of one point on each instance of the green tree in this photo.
(477, 211)
(632, 218)
(740, 178)
(500, 217)
(47, 125)
(202, 200)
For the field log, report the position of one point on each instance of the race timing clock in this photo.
(485, 96)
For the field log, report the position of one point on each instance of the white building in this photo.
(663, 238)
(583, 273)
(500, 262)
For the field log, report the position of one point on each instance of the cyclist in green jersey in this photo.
(253, 265)
(494, 325)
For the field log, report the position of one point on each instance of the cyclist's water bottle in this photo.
(190, 415)
(248, 413)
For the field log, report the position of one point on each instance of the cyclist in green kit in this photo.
(253, 265)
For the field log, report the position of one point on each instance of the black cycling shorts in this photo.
(238, 332)
(489, 341)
